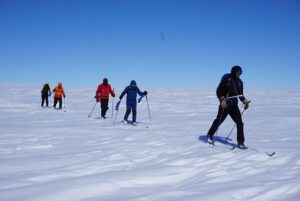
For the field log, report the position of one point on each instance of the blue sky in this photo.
(159, 43)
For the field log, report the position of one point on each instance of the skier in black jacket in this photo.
(230, 88)
(45, 93)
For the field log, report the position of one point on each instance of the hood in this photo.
(236, 70)
(133, 83)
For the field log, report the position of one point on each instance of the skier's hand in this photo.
(145, 93)
(224, 103)
(246, 104)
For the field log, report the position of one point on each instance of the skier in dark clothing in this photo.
(45, 93)
(131, 103)
(102, 95)
(230, 88)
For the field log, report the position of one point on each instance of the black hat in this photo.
(236, 70)
(105, 81)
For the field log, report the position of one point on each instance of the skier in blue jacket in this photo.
(132, 90)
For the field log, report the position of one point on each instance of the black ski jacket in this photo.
(45, 90)
(230, 86)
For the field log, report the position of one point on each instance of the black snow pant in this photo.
(104, 107)
(235, 114)
(45, 98)
(57, 100)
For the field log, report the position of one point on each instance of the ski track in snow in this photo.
(49, 155)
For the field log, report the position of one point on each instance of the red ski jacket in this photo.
(104, 91)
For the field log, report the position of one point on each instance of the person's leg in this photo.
(128, 110)
(47, 101)
(55, 102)
(104, 107)
(235, 114)
(43, 100)
(60, 103)
(134, 112)
(222, 114)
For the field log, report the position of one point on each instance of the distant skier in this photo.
(102, 95)
(230, 85)
(131, 103)
(45, 93)
(59, 93)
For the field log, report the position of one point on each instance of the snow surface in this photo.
(49, 155)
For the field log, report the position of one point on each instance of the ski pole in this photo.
(148, 109)
(64, 104)
(117, 114)
(112, 106)
(235, 124)
(220, 120)
(92, 110)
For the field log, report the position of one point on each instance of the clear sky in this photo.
(159, 43)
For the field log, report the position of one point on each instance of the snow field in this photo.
(51, 155)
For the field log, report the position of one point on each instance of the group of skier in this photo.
(102, 95)
(228, 92)
(58, 91)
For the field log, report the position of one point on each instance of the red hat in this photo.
(60, 84)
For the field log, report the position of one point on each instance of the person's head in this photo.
(59, 84)
(47, 83)
(133, 83)
(236, 71)
(105, 81)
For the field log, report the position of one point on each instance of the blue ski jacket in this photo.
(132, 90)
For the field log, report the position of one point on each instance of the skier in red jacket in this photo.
(102, 95)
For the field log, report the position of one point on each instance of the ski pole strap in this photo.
(140, 98)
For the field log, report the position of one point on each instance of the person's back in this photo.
(59, 93)
(46, 89)
(45, 93)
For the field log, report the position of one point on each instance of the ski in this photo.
(235, 147)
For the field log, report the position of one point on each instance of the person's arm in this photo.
(49, 91)
(221, 90)
(139, 91)
(123, 93)
(242, 98)
(112, 93)
(97, 92)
